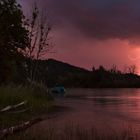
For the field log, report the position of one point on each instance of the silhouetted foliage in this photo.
(39, 43)
(52, 72)
(132, 69)
(101, 68)
(13, 38)
(93, 68)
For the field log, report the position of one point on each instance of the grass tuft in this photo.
(37, 99)
(73, 132)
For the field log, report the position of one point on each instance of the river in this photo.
(108, 110)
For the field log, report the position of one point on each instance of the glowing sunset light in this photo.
(95, 33)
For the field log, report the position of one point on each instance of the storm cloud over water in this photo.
(96, 29)
(100, 19)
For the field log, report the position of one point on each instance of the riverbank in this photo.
(74, 132)
(22, 103)
(80, 119)
(96, 114)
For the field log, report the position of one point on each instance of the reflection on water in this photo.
(111, 106)
(108, 110)
(126, 101)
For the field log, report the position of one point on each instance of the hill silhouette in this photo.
(52, 72)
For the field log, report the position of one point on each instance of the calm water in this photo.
(109, 110)
(106, 108)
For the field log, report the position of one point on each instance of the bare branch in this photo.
(39, 45)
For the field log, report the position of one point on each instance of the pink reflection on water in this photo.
(108, 110)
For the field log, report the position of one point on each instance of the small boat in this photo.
(58, 90)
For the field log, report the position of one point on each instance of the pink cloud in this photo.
(73, 48)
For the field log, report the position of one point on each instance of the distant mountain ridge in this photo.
(65, 66)
(52, 72)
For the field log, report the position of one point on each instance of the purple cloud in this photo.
(99, 18)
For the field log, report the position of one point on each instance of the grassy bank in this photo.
(74, 132)
(37, 100)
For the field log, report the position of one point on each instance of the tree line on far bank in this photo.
(53, 72)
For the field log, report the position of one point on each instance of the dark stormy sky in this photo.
(93, 32)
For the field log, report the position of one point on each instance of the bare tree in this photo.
(113, 69)
(39, 41)
(125, 69)
(132, 69)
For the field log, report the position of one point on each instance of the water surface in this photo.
(109, 110)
